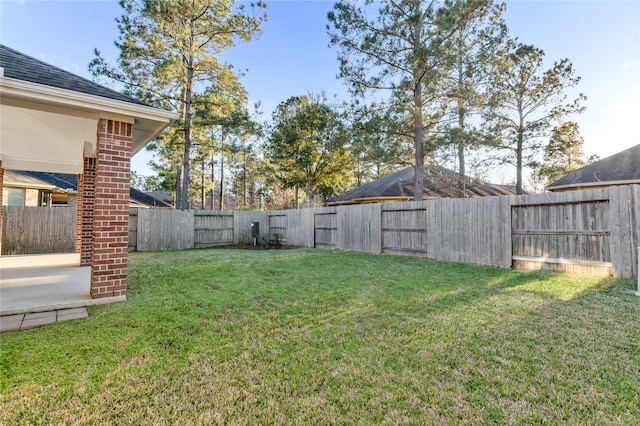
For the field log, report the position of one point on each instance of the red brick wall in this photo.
(111, 209)
(84, 211)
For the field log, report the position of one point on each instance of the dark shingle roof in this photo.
(439, 182)
(22, 67)
(36, 179)
(621, 167)
(69, 182)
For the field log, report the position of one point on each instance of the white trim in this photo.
(40, 92)
(594, 184)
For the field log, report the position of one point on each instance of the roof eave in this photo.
(593, 184)
(147, 120)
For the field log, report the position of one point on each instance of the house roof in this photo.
(39, 180)
(618, 169)
(64, 182)
(26, 68)
(50, 116)
(439, 182)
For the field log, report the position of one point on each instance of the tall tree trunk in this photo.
(202, 185)
(462, 141)
(186, 158)
(178, 186)
(221, 180)
(519, 147)
(244, 177)
(297, 200)
(519, 189)
(461, 145)
(213, 183)
(418, 126)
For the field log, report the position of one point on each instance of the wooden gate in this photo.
(404, 231)
(325, 228)
(278, 227)
(571, 236)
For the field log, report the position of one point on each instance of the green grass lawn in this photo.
(328, 337)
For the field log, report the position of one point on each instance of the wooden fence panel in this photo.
(38, 230)
(242, 221)
(359, 227)
(133, 229)
(300, 227)
(470, 230)
(404, 228)
(212, 228)
(278, 225)
(325, 228)
(567, 231)
(625, 230)
(164, 229)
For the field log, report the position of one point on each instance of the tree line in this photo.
(429, 81)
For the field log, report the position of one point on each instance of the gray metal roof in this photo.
(623, 167)
(439, 182)
(22, 67)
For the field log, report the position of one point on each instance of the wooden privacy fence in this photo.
(595, 231)
(165, 229)
(33, 230)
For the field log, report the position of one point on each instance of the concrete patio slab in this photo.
(44, 283)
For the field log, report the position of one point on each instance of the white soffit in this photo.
(44, 141)
(147, 121)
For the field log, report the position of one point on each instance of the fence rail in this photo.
(595, 231)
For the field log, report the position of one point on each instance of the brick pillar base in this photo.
(84, 211)
(111, 209)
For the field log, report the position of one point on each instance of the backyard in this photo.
(332, 337)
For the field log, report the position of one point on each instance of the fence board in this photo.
(133, 229)
(212, 228)
(325, 228)
(404, 229)
(164, 229)
(359, 227)
(38, 230)
(242, 221)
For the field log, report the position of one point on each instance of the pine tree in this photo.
(169, 52)
(563, 154)
(398, 47)
(528, 101)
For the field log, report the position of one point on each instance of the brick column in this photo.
(111, 209)
(1, 184)
(84, 211)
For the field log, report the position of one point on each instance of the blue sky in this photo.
(601, 38)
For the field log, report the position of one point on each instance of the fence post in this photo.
(638, 292)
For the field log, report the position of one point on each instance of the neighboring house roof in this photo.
(439, 182)
(64, 182)
(162, 195)
(22, 67)
(622, 168)
(37, 180)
